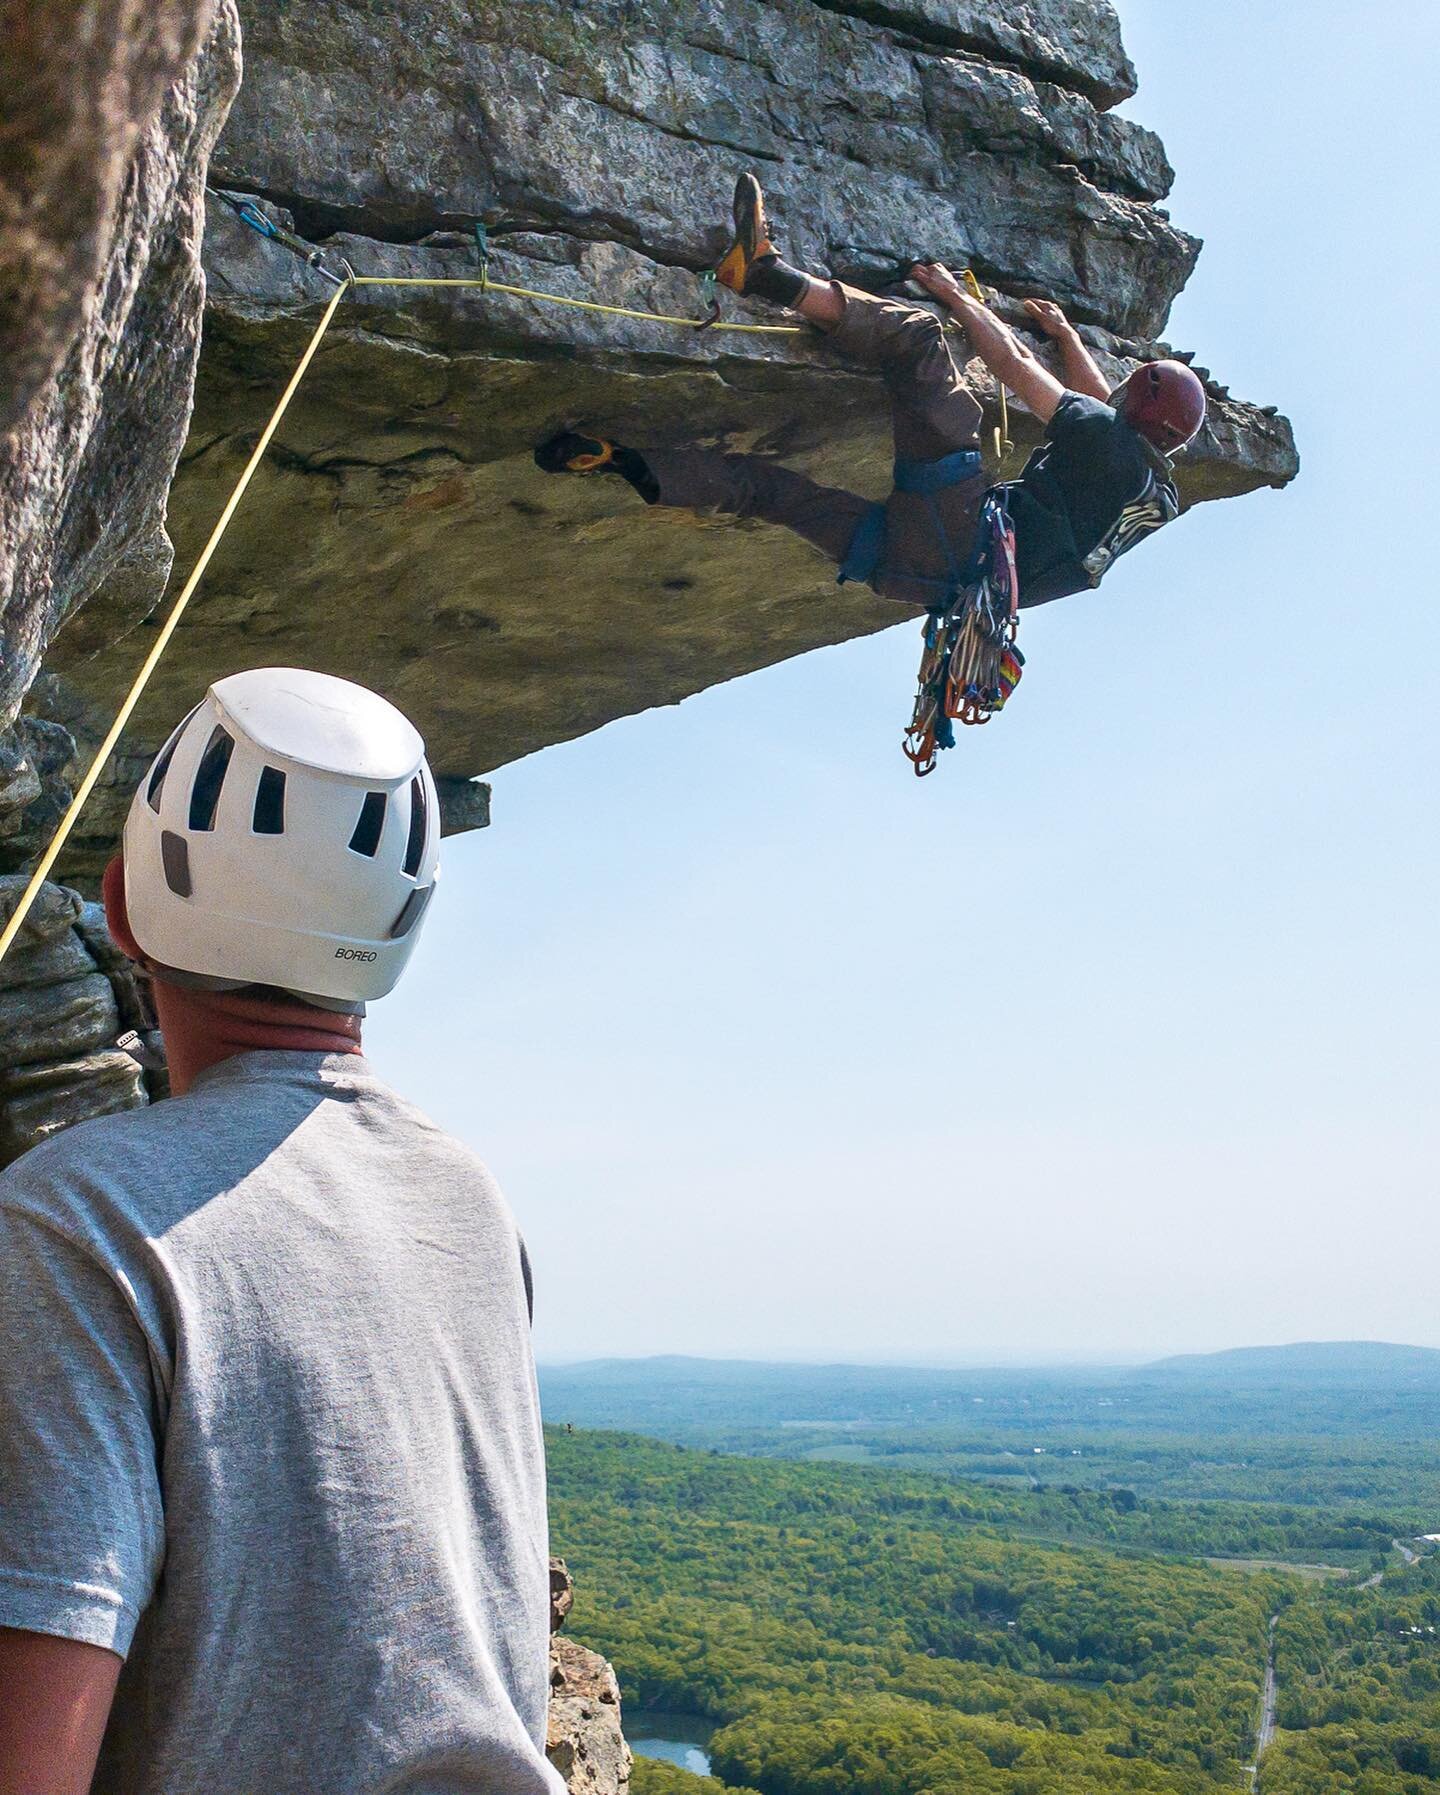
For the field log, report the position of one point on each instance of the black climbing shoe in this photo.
(569, 453)
(752, 236)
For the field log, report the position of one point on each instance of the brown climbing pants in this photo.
(932, 415)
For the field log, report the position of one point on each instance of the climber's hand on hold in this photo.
(1050, 318)
(941, 284)
(1008, 358)
(1078, 368)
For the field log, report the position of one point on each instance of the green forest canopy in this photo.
(878, 1632)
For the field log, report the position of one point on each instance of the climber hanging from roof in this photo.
(1099, 482)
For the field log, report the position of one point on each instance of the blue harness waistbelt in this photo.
(925, 478)
(922, 479)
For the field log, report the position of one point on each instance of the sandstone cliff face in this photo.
(400, 534)
(109, 116)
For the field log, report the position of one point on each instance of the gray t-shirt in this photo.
(269, 1429)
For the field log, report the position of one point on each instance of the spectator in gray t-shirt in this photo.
(272, 1491)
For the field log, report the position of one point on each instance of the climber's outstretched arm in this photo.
(1003, 353)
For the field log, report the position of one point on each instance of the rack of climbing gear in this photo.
(970, 664)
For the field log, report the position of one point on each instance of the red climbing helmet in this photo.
(1164, 402)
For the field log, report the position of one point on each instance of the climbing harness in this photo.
(923, 479)
(970, 664)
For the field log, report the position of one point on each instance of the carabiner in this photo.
(709, 298)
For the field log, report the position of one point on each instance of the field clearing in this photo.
(1312, 1573)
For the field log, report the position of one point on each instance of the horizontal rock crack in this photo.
(932, 35)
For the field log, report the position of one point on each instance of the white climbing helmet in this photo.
(287, 834)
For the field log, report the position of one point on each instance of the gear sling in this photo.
(970, 664)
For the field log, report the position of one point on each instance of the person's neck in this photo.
(202, 1028)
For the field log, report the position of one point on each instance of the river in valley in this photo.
(681, 1739)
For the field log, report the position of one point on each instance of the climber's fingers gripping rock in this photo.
(1048, 316)
(1008, 357)
(939, 283)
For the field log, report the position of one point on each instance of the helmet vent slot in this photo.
(162, 763)
(209, 778)
(175, 860)
(413, 910)
(419, 817)
(269, 817)
(366, 838)
(158, 772)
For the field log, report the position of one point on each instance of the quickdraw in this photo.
(1003, 444)
(249, 213)
(970, 664)
(710, 299)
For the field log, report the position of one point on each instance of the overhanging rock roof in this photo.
(399, 533)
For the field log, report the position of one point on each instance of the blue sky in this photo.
(1114, 1037)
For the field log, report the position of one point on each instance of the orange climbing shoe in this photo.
(568, 452)
(571, 453)
(752, 236)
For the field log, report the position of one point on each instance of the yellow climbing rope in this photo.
(167, 629)
(487, 285)
(344, 283)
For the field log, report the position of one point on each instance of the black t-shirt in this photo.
(1072, 493)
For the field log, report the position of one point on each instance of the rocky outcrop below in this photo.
(399, 533)
(584, 1742)
(66, 995)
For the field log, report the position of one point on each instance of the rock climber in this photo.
(273, 1512)
(1099, 482)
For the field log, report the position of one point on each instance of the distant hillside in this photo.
(1333, 1361)
(677, 1368)
(1345, 1361)
(673, 1395)
(1010, 1417)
